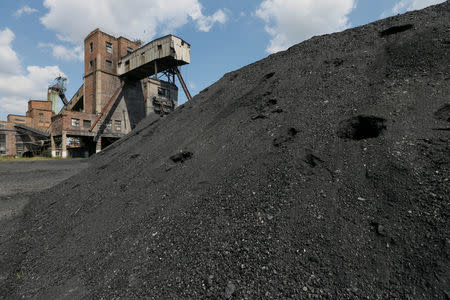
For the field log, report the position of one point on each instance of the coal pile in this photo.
(321, 172)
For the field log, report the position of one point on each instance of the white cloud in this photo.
(143, 19)
(17, 86)
(206, 23)
(9, 61)
(292, 21)
(407, 5)
(64, 53)
(25, 10)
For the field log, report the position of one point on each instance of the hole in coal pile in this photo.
(272, 101)
(181, 157)
(292, 131)
(396, 29)
(312, 160)
(443, 113)
(270, 75)
(361, 127)
(233, 77)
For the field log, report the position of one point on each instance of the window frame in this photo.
(109, 47)
(75, 122)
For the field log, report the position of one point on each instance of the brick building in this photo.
(26, 133)
(116, 94)
(70, 132)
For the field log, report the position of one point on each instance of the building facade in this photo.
(70, 129)
(26, 134)
(118, 101)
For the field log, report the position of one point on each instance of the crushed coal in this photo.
(276, 208)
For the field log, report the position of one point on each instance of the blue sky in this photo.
(40, 39)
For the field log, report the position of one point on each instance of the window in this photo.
(18, 138)
(163, 92)
(86, 124)
(118, 125)
(2, 143)
(90, 64)
(127, 63)
(41, 114)
(91, 46)
(109, 48)
(108, 125)
(19, 120)
(76, 122)
(129, 50)
(109, 63)
(2, 126)
(159, 47)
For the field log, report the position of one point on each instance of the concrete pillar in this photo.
(98, 146)
(52, 141)
(64, 144)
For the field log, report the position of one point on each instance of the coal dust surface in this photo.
(320, 172)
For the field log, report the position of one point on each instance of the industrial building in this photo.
(122, 84)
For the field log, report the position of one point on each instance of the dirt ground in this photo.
(20, 180)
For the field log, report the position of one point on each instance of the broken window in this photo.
(90, 64)
(163, 92)
(86, 123)
(127, 63)
(108, 125)
(75, 122)
(109, 48)
(118, 125)
(159, 47)
(129, 50)
(91, 46)
(2, 143)
(109, 63)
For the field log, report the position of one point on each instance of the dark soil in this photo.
(339, 190)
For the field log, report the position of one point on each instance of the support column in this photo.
(64, 144)
(98, 146)
(53, 145)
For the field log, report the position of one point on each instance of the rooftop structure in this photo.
(163, 54)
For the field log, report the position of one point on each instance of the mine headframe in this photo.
(59, 86)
